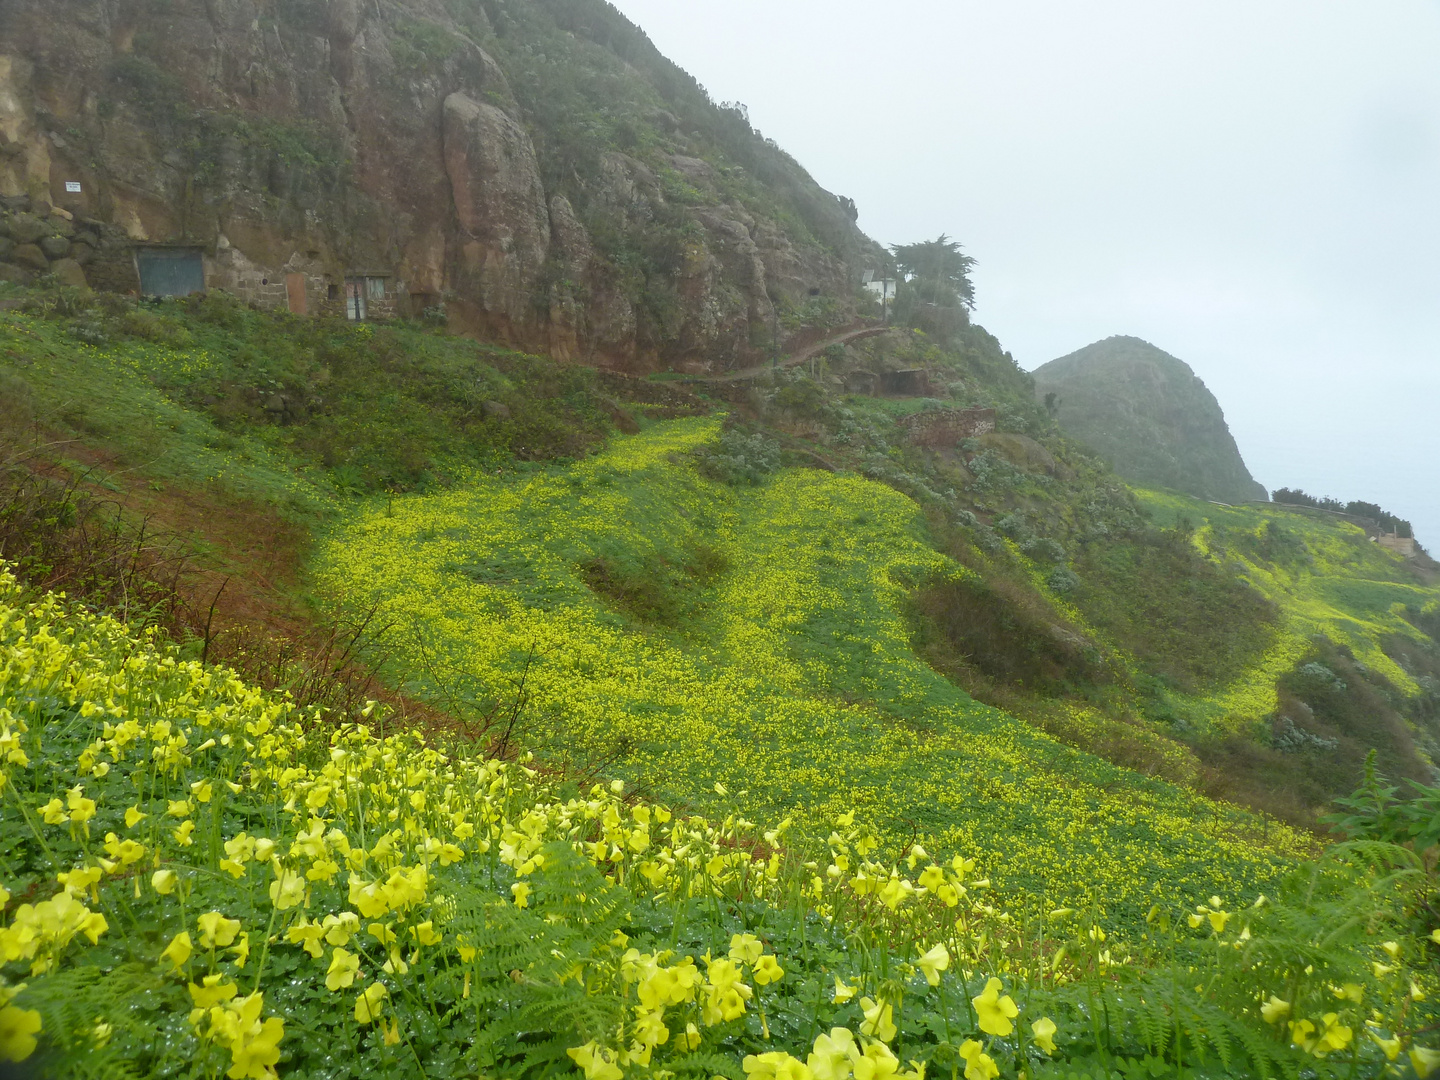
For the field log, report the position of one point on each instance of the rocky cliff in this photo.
(1150, 416)
(536, 167)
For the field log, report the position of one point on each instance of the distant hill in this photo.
(1150, 416)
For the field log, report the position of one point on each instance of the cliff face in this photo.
(538, 167)
(1150, 416)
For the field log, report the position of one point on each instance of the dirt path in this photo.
(844, 337)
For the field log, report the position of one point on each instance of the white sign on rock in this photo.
(72, 187)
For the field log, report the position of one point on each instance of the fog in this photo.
(1252, 186)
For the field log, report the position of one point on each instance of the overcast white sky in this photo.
(1252, 185)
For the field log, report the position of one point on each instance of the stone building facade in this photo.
(946, 428)
(39, 240)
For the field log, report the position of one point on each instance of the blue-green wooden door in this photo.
(170, 272)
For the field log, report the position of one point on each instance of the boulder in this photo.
(17, 274)
(82, 253)
(27, 229)
(493, 410)
(70, 272)
(55, 247)
(31, 257)
(7, 247)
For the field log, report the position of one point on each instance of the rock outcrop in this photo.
(1150, 416)
(500, 209)
(312, 150)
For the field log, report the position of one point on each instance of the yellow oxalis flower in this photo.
(833, 1055)
(934, 962)
(125, 852)
(1391, 1046)
(745, 948)
(978, 1064)
(211, 991)
(18, 1028)
(242, 950)
(1349, 992)
(725, 994)
(521, 892)
(164, 881)
(133, 817)
(1335, 1036)
(776, 1065)
(179, 950)
(1044, 1032)
(426, 934)
(339, 929)
(994, 1011)
(254, 1046)
(843, 993)
(1423, 1058)
(308, 936)
(1275, 1010)
(1301, 1034)
(596, 1061)
(767, 970)
(932, 877)
(367, 1005)
(287, 890)
(879, 1019)
(217, 930)
(343, 967)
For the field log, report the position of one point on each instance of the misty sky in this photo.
(1252, 185)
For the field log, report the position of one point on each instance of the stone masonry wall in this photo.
(947, 428)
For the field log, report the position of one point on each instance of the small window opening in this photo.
(359, 291)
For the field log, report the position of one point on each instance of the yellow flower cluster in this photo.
(349, 838)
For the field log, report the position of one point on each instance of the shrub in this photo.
(738, 458)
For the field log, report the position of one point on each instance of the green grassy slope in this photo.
(775, 637)
(786, 676)
(1350, 664)
(1326, 577)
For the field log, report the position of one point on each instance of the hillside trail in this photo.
(843, 337)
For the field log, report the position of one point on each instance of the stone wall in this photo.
(947, 428)
(1401, 545)
(37, 239)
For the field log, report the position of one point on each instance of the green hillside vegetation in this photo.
(997, 649)
(278, 891)
(1149, 416)
(1154, 632)
(683, 632)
